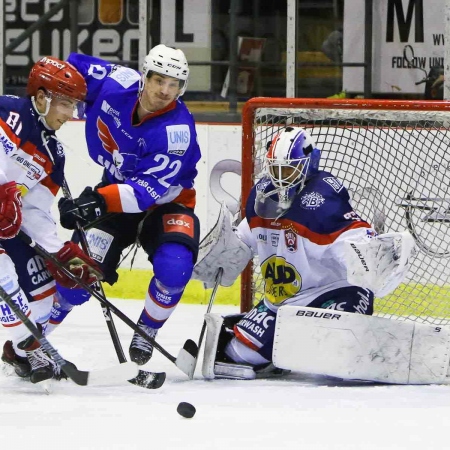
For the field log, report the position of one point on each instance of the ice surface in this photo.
(300, 412)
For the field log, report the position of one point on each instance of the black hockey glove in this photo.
(84, 209)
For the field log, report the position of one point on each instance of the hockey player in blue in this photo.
(143, 135)
(31, 173)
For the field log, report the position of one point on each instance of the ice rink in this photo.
(298, 412)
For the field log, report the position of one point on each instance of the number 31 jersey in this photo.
(146, 163)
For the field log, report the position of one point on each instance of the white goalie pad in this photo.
(358, 347)
(211, 368)
(379, 263)
(213, 326)
(221, 248)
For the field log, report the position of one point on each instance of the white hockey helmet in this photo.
(166, 61)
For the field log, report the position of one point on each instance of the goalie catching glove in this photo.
(78, 263)
(221, 248)
(379, 263)
(84, 209)
(10, 210)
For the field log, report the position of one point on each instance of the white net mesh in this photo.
(396, 166)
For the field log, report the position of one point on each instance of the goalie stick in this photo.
(145, 379)
(186, 356)
(117, 374)
(208, 310)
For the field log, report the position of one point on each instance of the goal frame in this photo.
(248, 136)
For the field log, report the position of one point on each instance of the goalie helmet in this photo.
(166, 61)
(291, 158)
(58, 78)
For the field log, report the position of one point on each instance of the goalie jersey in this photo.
(30, 156)
(148, 162)
(300, 254)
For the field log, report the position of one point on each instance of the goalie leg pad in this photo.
(354, 346)
(213, 327)
(219, 332)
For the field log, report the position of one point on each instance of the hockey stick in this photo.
(145, 379)
(96, 221)
(106, 312)
(116, 374)
(186, 356)
(208, 310)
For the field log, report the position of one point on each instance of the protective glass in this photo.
(67, 106)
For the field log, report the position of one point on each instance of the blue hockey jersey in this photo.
(30, 156)
(146, 163)
(300, 254)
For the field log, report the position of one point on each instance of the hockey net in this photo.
(394, 158)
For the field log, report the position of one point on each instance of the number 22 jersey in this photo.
(146, 163)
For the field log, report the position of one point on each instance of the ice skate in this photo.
(140, 349)
(20, 364)
(42, 369)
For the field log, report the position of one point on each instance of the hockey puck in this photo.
(186, 410)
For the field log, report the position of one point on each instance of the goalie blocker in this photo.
(344, 345)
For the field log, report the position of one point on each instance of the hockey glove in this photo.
(84, 209)
(10, 210)
(78, 263)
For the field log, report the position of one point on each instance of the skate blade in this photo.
(46, 385)
(8, 370)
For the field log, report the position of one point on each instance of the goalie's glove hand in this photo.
(10, 210)
(84, 209)
(78, 263)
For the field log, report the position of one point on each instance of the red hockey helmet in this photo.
(57, 77)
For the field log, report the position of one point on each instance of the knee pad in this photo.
(173, 264)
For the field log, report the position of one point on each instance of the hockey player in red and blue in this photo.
(143, 135)
(31, 173)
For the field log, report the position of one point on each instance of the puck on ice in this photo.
(186, 410)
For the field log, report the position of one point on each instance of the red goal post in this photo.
(393, 158)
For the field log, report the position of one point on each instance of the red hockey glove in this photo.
(78, 263)
(10, 210)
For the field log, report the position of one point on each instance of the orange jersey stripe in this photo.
(152, 318)
(45, 294)
(51, 185)
(301, 230)
(240, 337)
(38, 157)
(111, 194)
(186, 198)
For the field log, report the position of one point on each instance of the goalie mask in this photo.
(166, 61)
(291, 159)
